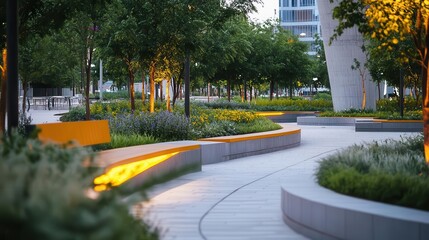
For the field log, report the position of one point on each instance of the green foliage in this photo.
(387, 109)
(350, 113)
(126, 140)
(392, 172)
(164, 126)
(323, 96)
(215, 129)
(75, 114)
(286, 104)
(45, 193)
(143, 127)
(392, 104)
(120, 95)
(323, 103)
(258, 125)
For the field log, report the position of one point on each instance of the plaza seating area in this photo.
(52, 102)
(306, 207)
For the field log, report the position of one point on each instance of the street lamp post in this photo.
(12, 65)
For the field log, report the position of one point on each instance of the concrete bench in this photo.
(320, 213)
(135, 165)
(139, 165)
(381, 125)
(326, 121)
(83, 133)
(144, 164)
(237, 146)
(285, 116)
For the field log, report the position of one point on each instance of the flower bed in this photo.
(391, 172)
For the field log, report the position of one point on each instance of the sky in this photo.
(266, 10)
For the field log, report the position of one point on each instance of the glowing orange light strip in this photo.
(270, 113)
(117, 175)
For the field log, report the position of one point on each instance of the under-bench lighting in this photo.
(117, 175)
(270, 113)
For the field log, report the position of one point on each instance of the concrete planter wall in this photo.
(346, 86)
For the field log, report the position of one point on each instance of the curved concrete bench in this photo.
(320, 213)
(285, 116)
(153, 161)
(326, 121)
(381, 125)
(237, 146)
(137, 165)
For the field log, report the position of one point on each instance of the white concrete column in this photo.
(346, 84)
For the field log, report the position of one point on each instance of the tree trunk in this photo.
(152, 87)
(24, 97)
(131, 88)
(425, 96)
(143, 88)
(187, 82)
(228, 89)
(277, 91)
(208, 92)
(426, 111)
(161, 90)
(363, 94)
(271, 89)
(176, 89)
(3, 93)
(88, 82)
(167, 94)
(250, 94)
(241, 87)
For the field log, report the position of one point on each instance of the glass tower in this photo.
(301, 17)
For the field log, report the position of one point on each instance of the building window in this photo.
(294, 3)
(299, 16)
(307, 3)
(285, 3)
(309, 30)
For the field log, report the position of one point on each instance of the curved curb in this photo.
(326, 121)
(320, 213)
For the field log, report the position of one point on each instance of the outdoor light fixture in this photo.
(117, 175)
(269, 113)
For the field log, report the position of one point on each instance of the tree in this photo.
(362, 73)
(390, 22)
(35, 17)
(122, 37)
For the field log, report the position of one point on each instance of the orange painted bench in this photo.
(83, 133)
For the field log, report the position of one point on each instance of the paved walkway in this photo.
(240, 199)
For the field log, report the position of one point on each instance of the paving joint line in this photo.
(249, 183)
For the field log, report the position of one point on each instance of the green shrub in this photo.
(45, 193)
(393, 172)
(126, 140)
(280, 104)
(215, 129)
(392, 104)
(322, 96)
(164, 126)
(258, 125)
(75, 114)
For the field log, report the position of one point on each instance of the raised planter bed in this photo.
(319, 213)
(142, 164)
(326, 121)
(286, 116)
(379, 125)
(232, 147)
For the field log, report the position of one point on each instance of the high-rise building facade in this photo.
(301, 17)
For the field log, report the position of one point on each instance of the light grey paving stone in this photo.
(245, 193)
